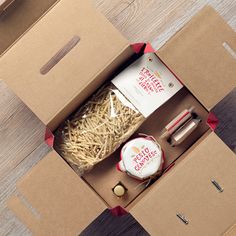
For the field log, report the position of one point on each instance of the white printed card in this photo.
(147, 83)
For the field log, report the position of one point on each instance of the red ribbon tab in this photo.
(212, 121)
(49, 137)
(148, 48)
(137, 47)
(118, 211)
(142, 47)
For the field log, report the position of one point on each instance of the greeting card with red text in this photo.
(147, 83)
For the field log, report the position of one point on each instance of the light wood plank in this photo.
(112, 8)
(156, 21)
(21, 131)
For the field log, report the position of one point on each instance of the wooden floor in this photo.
(21, 133)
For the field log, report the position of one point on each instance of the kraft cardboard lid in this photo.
(187, 189)
(83, 47)
(17, 16)
(203, 56)
(53, 200)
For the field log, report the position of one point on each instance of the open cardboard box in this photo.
(53, 199)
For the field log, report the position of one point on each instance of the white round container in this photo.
(141, 158)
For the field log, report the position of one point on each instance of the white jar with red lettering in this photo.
(141, 158)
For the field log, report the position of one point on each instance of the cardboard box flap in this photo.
(17, 16)
(187, 190)
(53, 200)
(203, 56)
(71, 47)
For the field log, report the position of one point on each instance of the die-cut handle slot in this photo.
(182, 218)
(217, 185)
(60, 55)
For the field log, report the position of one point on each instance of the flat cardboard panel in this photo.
(18, 17)
(187, 189)
(60, 202)
(54, 95)
(197, 54)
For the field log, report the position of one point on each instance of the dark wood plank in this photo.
(109, 225)
(225, 111)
